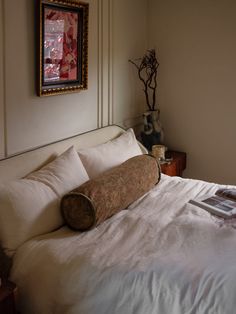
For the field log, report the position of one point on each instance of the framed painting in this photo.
(62, 46)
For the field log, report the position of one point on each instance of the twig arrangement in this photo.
(147, 72)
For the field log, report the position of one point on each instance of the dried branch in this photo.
(147, 72)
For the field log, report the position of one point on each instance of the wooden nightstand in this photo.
(176, 166)
(7, 297)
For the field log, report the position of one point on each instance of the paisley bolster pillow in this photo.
(113, 190)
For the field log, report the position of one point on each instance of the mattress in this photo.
(161, 255)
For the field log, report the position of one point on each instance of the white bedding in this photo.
(162, 255)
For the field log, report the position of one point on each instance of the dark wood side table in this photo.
(176, 166)
(8, 292)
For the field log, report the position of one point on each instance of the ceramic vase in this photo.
(152, 133)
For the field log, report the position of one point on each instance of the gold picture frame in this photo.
(62, 46)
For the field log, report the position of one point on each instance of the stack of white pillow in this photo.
(31, 206)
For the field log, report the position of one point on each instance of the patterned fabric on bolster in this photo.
(114, 190)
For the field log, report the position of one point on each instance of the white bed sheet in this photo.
(162, 255)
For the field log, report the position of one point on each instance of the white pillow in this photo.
(113, 153)
(63, 174)
(31, 206)
(27, 208)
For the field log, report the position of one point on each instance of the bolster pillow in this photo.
(113, 190)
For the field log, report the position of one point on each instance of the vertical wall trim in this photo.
(3, 136)
(105, 63)
(100, 80)
(4, 80)
(110, 60)
(105, 59)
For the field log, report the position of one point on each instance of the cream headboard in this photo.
(20, 165)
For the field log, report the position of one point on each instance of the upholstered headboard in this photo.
(20, 165)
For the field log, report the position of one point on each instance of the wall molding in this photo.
(105, 63)
(99, 66)
(104, 70)
(3, 150)
(110, 66)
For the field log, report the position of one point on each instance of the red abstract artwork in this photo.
(60, 45)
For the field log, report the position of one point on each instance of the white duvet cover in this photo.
(162, 255)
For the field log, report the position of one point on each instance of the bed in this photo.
(159, 255)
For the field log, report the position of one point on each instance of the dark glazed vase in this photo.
(152, 133)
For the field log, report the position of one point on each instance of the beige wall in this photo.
(30, 121)
(130, 33)
(196, 46)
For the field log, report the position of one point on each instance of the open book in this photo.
(222, 203)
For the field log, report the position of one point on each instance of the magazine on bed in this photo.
(222, 203)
